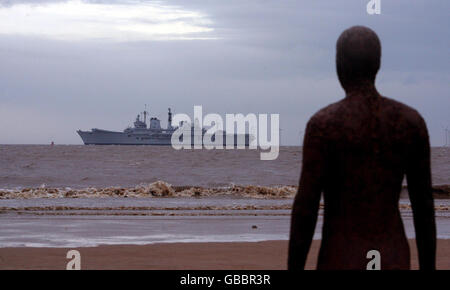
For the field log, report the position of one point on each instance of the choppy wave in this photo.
(164, 189)
(155, 189)
(441, 191)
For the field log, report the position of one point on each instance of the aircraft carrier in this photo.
(153, 134)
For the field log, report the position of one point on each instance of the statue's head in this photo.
(358, 54)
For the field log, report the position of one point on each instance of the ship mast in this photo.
(169, 122)
(145, 115)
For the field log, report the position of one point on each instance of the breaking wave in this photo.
(164, 189)
(155, 189)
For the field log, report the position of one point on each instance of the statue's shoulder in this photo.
(324, 120)
(403, 114)
(327, 114)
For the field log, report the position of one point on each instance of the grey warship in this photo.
(140, 134)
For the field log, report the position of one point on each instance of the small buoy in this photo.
(53, 143)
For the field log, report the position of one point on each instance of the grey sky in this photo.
(63, 70)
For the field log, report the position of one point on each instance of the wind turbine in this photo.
(446, 136)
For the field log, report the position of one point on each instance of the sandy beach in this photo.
(209, 256)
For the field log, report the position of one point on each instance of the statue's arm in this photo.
(306, 202)
(418, 174)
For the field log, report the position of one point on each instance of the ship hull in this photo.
(103, 137)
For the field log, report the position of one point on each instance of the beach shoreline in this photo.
(266, 255)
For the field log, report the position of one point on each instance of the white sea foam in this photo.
(155, 189)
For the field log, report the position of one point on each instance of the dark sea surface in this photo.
(80, 166)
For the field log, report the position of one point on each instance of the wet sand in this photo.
(228, 256)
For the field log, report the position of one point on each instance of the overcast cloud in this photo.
(68, 65)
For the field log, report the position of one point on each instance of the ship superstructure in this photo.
(141, 134)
